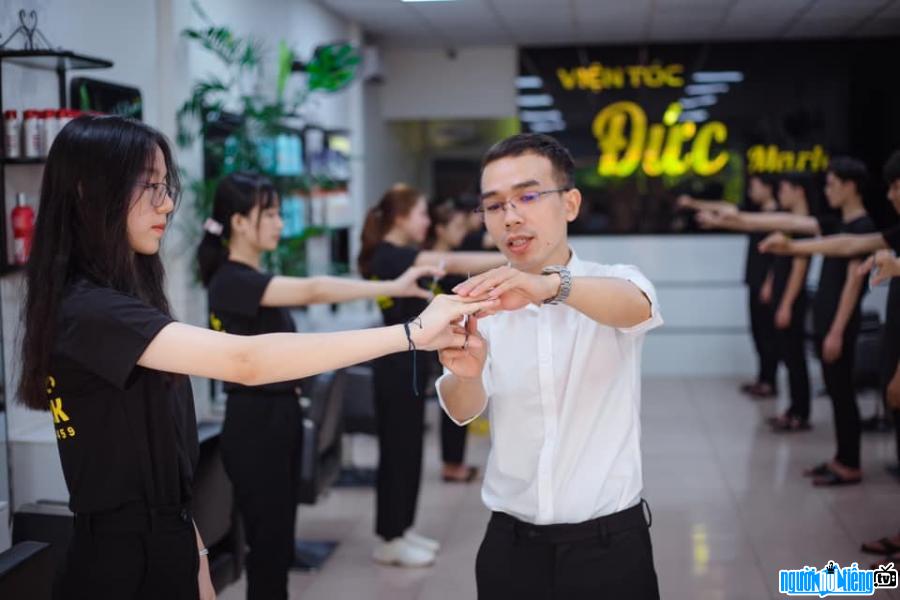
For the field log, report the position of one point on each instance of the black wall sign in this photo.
(646, 123)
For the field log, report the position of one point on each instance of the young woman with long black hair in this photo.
(103, 353)
(392, 237)
(265, 421)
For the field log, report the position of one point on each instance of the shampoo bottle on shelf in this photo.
(12, 134)
(23, 230)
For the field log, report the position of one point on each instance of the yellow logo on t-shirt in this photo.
(384, 302)
(215, 322)
(60, 418)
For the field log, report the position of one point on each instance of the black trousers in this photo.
(792, 352)
(839, 385)
(890, 357)
(762, 326)
(610, 557)
(453, 441)
(400, 422)
(130, 555)
(260, 451)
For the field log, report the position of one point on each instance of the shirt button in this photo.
(184, 515)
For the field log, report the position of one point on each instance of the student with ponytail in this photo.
(263, 422)
(394, 231)
(102, 352)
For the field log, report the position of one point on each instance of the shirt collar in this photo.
(576, 267)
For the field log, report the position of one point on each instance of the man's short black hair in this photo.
(846, 168)
(891, 171)
(811, 185)
(768, 180)
(540, 144)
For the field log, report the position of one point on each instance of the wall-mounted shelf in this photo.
(56, 61)
(10, 269)
(53, 60)
(24, 161)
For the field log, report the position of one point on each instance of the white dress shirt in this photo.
(564, 399)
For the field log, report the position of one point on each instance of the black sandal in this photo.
(817, 471)
(789, 424)
(832, 479)
(887, 547)
(761, 391)
(471, 474)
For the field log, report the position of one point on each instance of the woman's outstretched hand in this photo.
(408, 283)
(432, 330)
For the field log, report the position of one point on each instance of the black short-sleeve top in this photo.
(834, 273)
(235, 306)
(389, 262)
(125, 433)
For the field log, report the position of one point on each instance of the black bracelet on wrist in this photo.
(412, 348)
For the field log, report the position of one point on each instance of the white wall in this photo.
(142, 38)
(479, 83)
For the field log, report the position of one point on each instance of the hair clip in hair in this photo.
(212, 226)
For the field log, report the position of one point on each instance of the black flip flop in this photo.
(790, 425)
(832, 479)
(471, 474)
(746, 387)
(817, 471)
(887, 547)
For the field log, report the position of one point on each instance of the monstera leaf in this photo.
(332, 67)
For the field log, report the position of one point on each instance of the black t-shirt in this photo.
(834, 273)
(758, 264)
(473, 242)
(782, 266)
(892, 317)
(389, 262)
(125, 433)
(892, 238)
(234, 294)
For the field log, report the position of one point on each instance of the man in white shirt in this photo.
(560, 376)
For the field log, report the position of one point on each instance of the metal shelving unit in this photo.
(60, 62)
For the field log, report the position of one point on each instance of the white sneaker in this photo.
(421, 541)
(400, 553)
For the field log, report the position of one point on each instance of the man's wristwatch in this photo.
(565, 283)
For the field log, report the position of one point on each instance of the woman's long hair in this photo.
(89, 183)
(237, 194)
(395, 203)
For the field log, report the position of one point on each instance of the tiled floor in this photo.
(730, 507)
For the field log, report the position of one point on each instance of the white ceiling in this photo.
(566, 22)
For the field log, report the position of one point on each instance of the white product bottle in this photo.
(12, 134)
(31, 134)
(51, 128)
